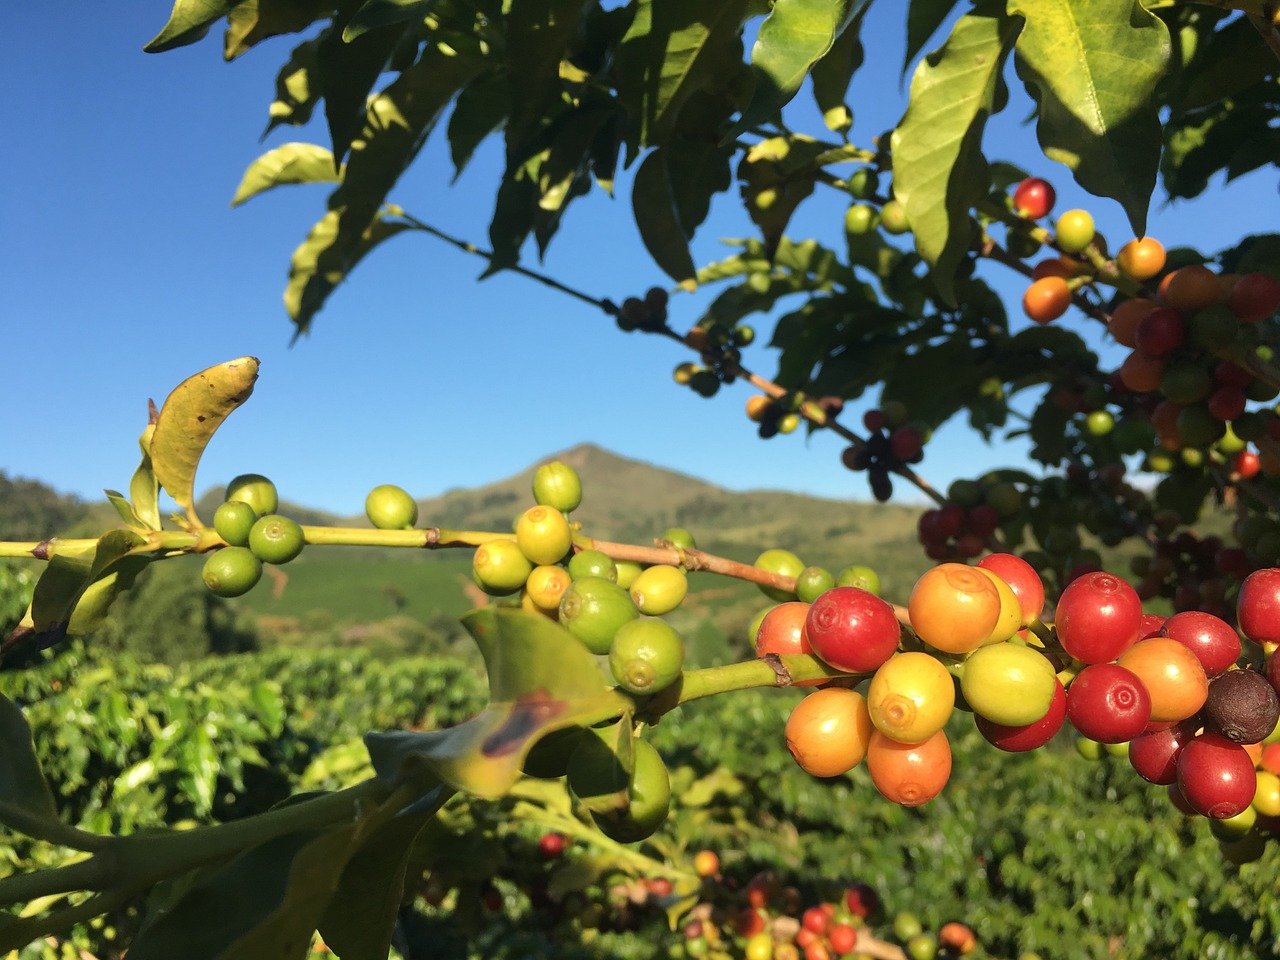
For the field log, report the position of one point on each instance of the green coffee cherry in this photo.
(679, 537)
(231, 571)
(500, 567)
(812, 583)
(593, 609)
(255, 490)
(275, 539)
(659, 589)
(646, 656)
(543, 534)
(389, 507)
(626, 571)
(233, 520)
(783, 562)
(557, 485)
(592, 563)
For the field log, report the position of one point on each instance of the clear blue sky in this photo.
(126, 270)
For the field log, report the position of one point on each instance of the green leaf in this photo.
(188, 419)
(297, 91)
(117, 561)
(938, 168)
(188, 22)
(22, 783)
(934, 381)
(481, 108)
(383, 13)
(671, 50)
(538, 33)
(359, 920)
(795, 35)
(776, 176)
(696, 170)
(318, 265)
(252, 21)
(123, 507)
(832, 73)
(1093, 66)
(287, 164)
(924, 17)
(144, 489)
(660, 229)
(541, 679)
(347, 72)
(1227, 63)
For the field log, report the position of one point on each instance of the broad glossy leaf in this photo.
(1093, 66)
(22, 783)
(832, 73)
(297, 91)
(117, 561)
(382, 13)
(188, 419)
(654, 208)
(188, 22)
(123, 507)
(938, 168)
(480, 109)
(347, 71)
(360, 918)
(1228, 62)
(319, 265)
(541, 679)
(252, 21)
(538, 33)
(795, 35)
(924, 17)
(144, 489)
(672, 49)
(287, 164)
(776, 175)
(935, 381)
(696, 170)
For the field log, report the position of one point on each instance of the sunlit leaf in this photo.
(144, 489)
(924, 17)
(659, 224)
(188, 419)
(776, 175)
(938, 168)
(252, 21)
(795, 35)
(382, 13)
(832, 73)
(297, 91)
(541, 679)
(1093, 66)
(188, 22)
(288, 163)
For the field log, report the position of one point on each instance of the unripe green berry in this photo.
(592, 563)
(231, 571)
(646, 656)
(389, 507)
(813, 582)
(782, 562)
(275, 539)
(255, 490)
(659, 589)
(233, 520)
(500, 567)
(860, 576)
(557, 485)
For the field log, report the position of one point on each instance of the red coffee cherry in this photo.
(1108, 703)
(1098, 617)
(1216, 776)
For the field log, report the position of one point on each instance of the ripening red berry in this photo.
(843, 938)
(1258, 606)
(1098, 617)
(749, 922)
(1254, 297)
(1179, 801)
(815, 920)
(1227, 403)
(1034, 198)
(1216, 776)
(1022, 580)
(1214, 641)
(951, 520)
(873, 420)
(1150, 626)
(905, 443)
(1154, 754)
(1108, 703)
(1247, 464)
(551, 845)
(852, 629)
(861, 900)
(1228, 374)
(1030, 736)
(982, 520)
(1160, 332)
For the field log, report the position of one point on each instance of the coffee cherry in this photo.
(828, 731)
(1141, 259)
(1213, 641)
(275, 539)
(812, 583)
(1046, 299)
(543, 535)
(592, 563)
(1190, 288)
(551, 845)
(860, 219)
(911, 697)
(659, 589)
(957, 938)
(231, 571)
(1034, 198)
(1242, 706)
(1127, 317)
(862, 577)
(626, 572)
(909, 773)
(500, 568)
(893, 217)
(782, 562)
(1030, 736)
(558, 486)
(546, 586)
(1022, 580)
(954, 608)
(1258, 606)
(1008, 684)
(852, 630)
(1108, 703)
(389, 507)
(1074, 230)
(593, 609)
(843, 938)
(255, 490)
(646, 656)
(1160, 332)
(1254, 297)
(1215, 776)
(863, 183)
(233, 520)
(1154, 754)
(1010, 619)
(1097, 617)
(1172, 676)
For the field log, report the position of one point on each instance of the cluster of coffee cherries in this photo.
(783, 414)
(254, 534)
(647, 313)
(958, 530)
(720, 349)
(892, 441)
(1117, 674)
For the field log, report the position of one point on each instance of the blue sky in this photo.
(126, 270)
